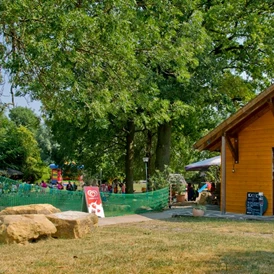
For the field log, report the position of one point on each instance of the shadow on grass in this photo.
(243, 262)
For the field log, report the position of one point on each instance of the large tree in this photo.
(150, 64)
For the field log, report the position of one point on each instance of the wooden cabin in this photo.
(246, 143)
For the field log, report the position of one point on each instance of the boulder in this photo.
(30, 209)
(73, 224)
(25, 228)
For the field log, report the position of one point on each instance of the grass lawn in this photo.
(177, 245)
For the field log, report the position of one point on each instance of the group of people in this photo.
(115, 187)
(70, 186)
(192, 193)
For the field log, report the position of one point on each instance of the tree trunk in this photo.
(163, 146)
(129, 156)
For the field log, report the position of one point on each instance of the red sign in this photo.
(93, 200)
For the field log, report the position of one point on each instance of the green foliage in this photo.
(11, 151)
(166, 178)
(23, 116)
(45, 174)
(31, 164)
(19, 150)
(177, 182)
(48, 146)
(200, 207)
(213, 174)
(97, 66)
(179, 188)
(195, 177)
(160, 179)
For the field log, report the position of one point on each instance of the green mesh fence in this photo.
(123, 204)
(14, 194)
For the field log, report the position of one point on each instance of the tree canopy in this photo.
(23, 116)
(114, 74)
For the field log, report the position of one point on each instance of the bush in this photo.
(163, 179)
(160, 179)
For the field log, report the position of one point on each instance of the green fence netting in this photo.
(122, 204)
(13, 193)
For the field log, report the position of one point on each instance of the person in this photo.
(69, 187)
(213, 188)
(60, 186)
(120, 185)
(123, 188)
(115, 184)
(190, 192)
(115, 189)
(43, 186)
(213, 193)
(74, 186)
(196, 192)
(109, 188)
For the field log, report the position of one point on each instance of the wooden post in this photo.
(223, 178)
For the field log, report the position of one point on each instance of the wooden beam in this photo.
(239, 118)
(233, 149)
(249, 121)
(214, 144)
(271, 105)
(236, 146)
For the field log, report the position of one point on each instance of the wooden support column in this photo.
(223, 181)
(271, 105)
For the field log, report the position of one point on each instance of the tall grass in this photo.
(177, 245)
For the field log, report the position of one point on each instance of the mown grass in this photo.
(177, 245)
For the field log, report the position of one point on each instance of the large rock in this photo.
(30, 209)
(73, 224)
(25, 228)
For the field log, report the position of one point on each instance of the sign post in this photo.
(93, 201)
(146, 159)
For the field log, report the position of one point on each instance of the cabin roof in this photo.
(238, 121)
